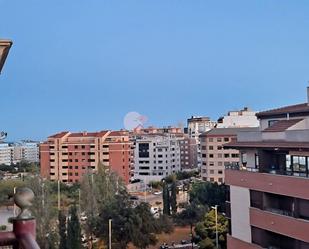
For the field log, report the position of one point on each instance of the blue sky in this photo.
(83, 64)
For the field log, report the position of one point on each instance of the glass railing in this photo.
(279, 211)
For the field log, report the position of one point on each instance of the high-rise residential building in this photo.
(242, 118)
(12, 153)
(214, 156)
(157, 152)
(196, 125)
(188, 154)
(68, 156)
(27, 151)
(269, 198)
(5, 154)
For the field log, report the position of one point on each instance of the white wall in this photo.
(240, 203)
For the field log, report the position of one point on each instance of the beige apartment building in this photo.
(214, 157)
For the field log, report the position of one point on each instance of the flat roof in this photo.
(291, 109)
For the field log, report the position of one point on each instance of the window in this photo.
(210, 147)
(299, 165)
(272, 122)
(220, 172)
(211, 179)
(219, 139)
(203, 147)
(83, 146)
(211, 164)
(210, 139)
(75, 146)
(105, 146)
(226, 139)
(226, 155)
(211, 171)
(220, 179)
(219, 155)
(211, 155)
(235, 155)
(203, 155)
(220, 163)
(219, 148)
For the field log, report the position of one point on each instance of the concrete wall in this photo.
(240, 203)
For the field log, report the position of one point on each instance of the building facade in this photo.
(242, 118)
(214, 156)
(12, 153)
(269, 197)
(156, 156)
(196, 125)
(188, 154)
(68, 156)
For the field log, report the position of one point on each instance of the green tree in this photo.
(143, 227)
(73, 230)
(166, 200)
(208, 194)
(45, 211)
(206, 230)
(173, 197)
(62, 226)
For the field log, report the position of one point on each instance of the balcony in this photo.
(271, 182)
(234, 243)
(280, 224)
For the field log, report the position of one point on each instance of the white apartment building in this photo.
(156, 156)
(5, 154)
(12, 153)
(197, 125)
(239, 119)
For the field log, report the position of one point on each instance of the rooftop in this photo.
(291, 109)
(5, 46)
(282, 125)
(227, 131)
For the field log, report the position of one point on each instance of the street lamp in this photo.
(216, 213)
(5, 46)
(110, 233)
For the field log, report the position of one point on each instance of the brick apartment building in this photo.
(68, 156)
(214, 156)
(269, 190)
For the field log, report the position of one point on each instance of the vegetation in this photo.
(19, 167)
(104, 198)
(44, 207)
(173, 197)
(62, 227)
(73, 229)
(208, 194)
(206, 231)
(166, 200)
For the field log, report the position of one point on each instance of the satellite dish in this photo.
(3, 135)
(133, 120)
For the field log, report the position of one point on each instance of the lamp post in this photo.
(110, 233)
(216, 214)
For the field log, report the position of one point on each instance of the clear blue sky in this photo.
(83, 64)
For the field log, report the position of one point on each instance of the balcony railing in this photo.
(24, 227)
(267, 170)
